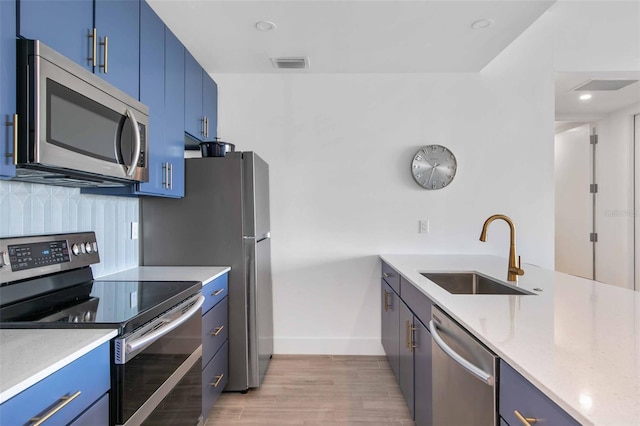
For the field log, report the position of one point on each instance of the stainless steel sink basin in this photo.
(471, 283)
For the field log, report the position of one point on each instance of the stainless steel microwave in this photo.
(75, 129)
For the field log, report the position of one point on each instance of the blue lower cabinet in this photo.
(214, 330)
(215, 291)
(519, 395)
(214, 378)
(72, 390)
(503, 423)
(96, 415)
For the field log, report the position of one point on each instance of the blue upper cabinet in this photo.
(174, 112)
(107, 45)
(7, 86)
(201, 101)
(210, 105)
(64, 25)
(193, 118)
(117, 26)
(152, 64)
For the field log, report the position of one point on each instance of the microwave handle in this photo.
(136, 132)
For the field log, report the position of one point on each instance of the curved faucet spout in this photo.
(514, 268)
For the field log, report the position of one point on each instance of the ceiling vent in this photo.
(594, 85)
(290, 63)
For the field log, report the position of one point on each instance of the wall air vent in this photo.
(290, 63)
(593, 85)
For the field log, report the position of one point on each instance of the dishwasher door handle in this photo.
(475, 371)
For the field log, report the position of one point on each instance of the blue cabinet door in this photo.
(422, 374)
(210, 106)
(193, 117)
(7, 85)
(406, 357)
(64, 25)
(174, 111)
(152, 84)
(117, 22)
(390, 331)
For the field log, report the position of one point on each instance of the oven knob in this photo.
(75, 249)
(83, 249)
(95, 246)
(88, 247)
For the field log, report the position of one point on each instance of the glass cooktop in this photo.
(100, 304)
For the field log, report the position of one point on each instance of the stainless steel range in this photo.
(46, 282)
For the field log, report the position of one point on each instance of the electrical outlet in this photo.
(424, 226)
(134, 230)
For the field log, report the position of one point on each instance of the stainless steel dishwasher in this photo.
(464, 376)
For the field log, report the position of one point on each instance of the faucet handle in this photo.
(519, 269)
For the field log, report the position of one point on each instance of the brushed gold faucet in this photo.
(514, 269)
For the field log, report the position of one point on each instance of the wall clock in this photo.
(434, 167)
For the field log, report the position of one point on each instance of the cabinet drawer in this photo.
(517, 393)
(214, 292)
(214, 378)
(214, 330)
(416, 300)
(88, 375)
(391, 277)
(98, 414)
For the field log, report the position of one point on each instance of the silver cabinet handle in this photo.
(94, 46)
(386, 275)
(64, 401)
(105, 44)
(217, 292)
(165, 175)
(136, 132)
(477, 372)
(170, 176)
(217, 382)
(14, 123)
(218, 330)
(203, 130)
(165, 328)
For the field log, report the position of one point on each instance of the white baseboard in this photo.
(319, 346)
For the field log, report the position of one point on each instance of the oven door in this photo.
(157, 370)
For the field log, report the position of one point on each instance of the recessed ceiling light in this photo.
(482, 24)
(265, 25)
(585, 97)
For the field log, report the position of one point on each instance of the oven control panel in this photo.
(27, 257)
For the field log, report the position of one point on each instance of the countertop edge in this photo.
(49, 370)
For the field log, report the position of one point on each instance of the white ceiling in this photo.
(348, 36)
(570, 108)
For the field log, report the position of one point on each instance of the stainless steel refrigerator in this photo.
(223, 219)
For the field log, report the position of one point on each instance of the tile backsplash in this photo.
(32, 209)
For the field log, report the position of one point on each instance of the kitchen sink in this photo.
(472, 283)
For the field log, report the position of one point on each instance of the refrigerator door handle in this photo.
(257, 238)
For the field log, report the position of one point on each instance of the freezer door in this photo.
(256, 195)
(260, 321)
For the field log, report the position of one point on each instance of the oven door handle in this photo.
(165, 328)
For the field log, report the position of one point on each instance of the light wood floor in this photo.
(318, 390)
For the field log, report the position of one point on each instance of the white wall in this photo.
(615, 206)
(339, 148)
(573, 208)
(31, 209)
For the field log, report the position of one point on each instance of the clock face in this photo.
(434, 167)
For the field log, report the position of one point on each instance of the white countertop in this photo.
(204, 274)
(28, 356)
(578, 340)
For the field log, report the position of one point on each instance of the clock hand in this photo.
(433, 169)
